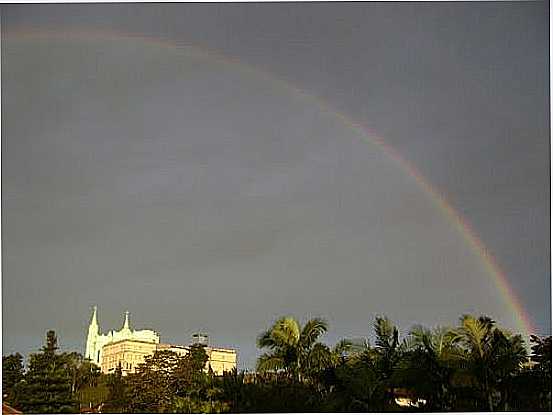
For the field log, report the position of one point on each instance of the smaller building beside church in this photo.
(220, 359)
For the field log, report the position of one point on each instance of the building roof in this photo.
(208, 348)
(129, 341)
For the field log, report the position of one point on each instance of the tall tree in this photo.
(429, 365)
(532, 387)
(362, 378)
(475, 336)
(84, 376)
(386, 355)
(189, 373)
(387, 346)
(358, 387)
(167, 382)
(508, 356)
(151, 387)
(118, 398)
(47, 384)
(293, 349)
(493, 357)
(196, 389)
(541, 356)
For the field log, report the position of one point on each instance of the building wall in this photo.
(221, 360)
(115, 336)
(131, 353)
(128, 353)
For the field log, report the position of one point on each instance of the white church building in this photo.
(95, 340)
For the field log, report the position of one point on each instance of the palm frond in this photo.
(286, 331)
(387, 335)
(312, 330)
(270, 362)
(265, 340)
(419, 337)
(475, 334)
(319, 357)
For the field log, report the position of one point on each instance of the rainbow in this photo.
(521, 317)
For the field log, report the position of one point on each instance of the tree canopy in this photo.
(475, 365)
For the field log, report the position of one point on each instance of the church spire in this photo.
(93, 334)
(94, 320)
(126, 324)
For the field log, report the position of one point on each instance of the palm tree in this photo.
(541, 356)
(293, 349)
(492, 354)
(386, 355)
(429, 365)
(387, 344)
(531, 389)
(367, 380)
(474, 336)
(509, 357)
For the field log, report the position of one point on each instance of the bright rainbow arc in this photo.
(491, 265)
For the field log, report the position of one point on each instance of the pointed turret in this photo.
(126, 324)
(93, 331)
(94, 321)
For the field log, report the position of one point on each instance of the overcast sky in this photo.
(201, 194)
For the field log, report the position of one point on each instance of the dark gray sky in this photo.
(200, 194)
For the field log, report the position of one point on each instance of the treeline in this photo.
(475, 366)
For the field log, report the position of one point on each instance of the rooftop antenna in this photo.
(200, 338)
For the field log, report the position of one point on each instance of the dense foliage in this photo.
(47, 385)
(12, 374)
(475, 366)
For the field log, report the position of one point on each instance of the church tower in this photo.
(92, 345)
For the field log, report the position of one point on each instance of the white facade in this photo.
(95, 341)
